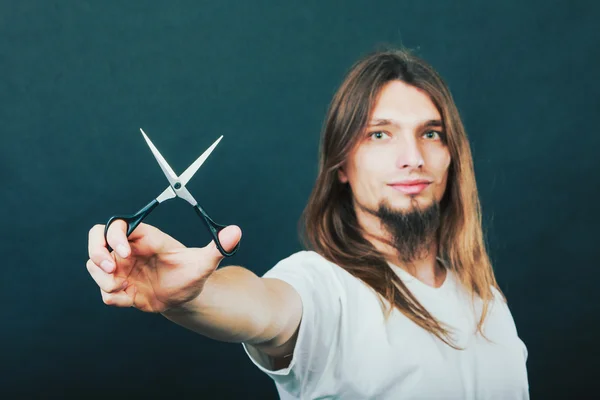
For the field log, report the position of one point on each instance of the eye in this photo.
(377, 135)
(432, 135)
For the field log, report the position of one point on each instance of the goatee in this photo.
(412, 231)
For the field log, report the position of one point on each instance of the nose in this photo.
(410, 155)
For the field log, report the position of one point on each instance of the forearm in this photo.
(234, 306)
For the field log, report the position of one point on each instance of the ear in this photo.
(342, 175)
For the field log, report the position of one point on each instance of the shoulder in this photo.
(498, 303)
(306, 256)
(501, 311)
(303, 262)
(498, 295)
(308, 271)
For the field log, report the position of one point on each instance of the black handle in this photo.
(132, 221)
(214, 229)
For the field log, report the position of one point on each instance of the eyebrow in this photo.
(385, 122)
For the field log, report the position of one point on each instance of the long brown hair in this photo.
(329, 225)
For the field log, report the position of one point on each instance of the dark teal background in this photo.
(79, 78)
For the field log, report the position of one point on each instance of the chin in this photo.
(408, 202)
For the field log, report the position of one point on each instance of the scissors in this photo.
(176, 188)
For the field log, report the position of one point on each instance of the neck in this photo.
(426, 268)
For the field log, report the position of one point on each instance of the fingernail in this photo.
(107, 265)
(122, 250)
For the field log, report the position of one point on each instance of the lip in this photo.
(414, 186)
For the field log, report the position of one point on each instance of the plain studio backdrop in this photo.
(78, 79)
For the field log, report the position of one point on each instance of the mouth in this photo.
(410, 188)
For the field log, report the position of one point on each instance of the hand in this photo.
(150, 270)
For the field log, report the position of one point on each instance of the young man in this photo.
(396, 296)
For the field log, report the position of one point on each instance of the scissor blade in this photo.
(167, 194)
(191, 170)
(167, 170)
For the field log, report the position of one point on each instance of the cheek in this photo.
(361, 166)
(446, 168)
(365, 173)
(440, 171)
(442, 166)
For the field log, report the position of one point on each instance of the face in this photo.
(403, 142)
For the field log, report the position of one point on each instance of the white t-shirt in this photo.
(344, 350)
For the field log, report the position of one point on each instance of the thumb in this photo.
(229, 238)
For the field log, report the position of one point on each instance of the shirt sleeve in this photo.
(317, 284)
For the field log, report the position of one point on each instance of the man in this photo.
(396, 297)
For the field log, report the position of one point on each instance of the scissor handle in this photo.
(214, 229)
(132, 220)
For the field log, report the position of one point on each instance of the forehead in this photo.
(404, 103)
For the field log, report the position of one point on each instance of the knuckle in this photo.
(114, 288)
(96, 255)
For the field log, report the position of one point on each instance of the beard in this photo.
(413, 230)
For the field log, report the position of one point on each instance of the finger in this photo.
(229, 238)
(106, 281)
(97, 250)
(117, 238)
(119, 299)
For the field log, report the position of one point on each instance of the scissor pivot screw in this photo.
(177, 185)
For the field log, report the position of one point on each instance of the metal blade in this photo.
(191, 170)
(167, 194)
(166, 168)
